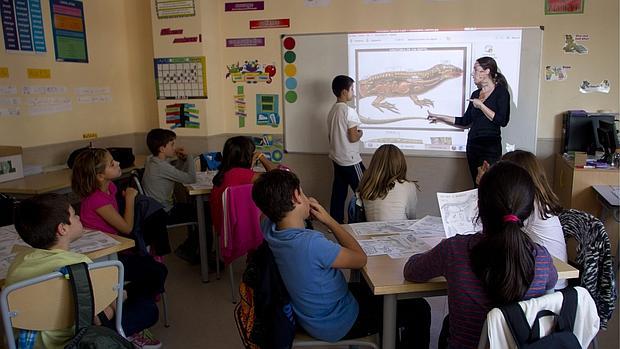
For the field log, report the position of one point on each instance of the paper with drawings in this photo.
(430, 230)
(381, 228)
(395, 246)
(92, 241)
(204, 180)
(459, 212)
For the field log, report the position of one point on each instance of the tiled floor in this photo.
(201, 314)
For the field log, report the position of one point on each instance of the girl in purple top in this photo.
(501, 265)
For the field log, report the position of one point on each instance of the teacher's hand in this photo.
(476, 102)
(432, 117)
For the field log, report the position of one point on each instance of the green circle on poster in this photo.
(289, 57)
(291, 96)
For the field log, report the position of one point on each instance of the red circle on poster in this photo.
(289, 43)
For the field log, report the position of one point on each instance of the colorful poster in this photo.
(558, 7)
(181, 77)
(239, 100)
(267, 110)
(69, 31)
(244, 6)
(22, 25)
(182, 115)
(175, 8)
(271, 146)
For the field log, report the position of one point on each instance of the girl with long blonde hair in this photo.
(385, 191)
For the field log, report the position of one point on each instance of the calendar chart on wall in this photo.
(181, 77)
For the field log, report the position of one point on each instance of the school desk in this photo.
(385, 278)
(200, 191)
(96, 255)
(55, 181)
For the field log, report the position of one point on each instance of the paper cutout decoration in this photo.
(588, 87)
(267, 110)
(270, 146)
(572, 44)
(251, 72)
(239, 100)
(556, 73)
(182, 115)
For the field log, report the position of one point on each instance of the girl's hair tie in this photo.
(510, 218)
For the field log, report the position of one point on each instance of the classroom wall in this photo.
(599, 21)
(119, 58)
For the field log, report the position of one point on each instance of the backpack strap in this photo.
(81, 286)
(517, 322)
(566, 321)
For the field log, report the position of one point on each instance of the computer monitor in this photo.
(579, 131)
(605, 137)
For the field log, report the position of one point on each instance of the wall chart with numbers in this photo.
(181, 77)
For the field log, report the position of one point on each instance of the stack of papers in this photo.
(204, 180)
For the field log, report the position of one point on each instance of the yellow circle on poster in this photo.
(290, 70)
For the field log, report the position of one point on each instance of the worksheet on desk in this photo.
(381, 228)
(459, 212)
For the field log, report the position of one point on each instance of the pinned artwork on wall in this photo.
(182, 115)
(267, 110)
(588, 87)
(317, 3)
(559, 7)
(239, 100)
(181, 77)
(251, 72)
(556, 72)
(69, 31)
(271, 146)
(574, 43)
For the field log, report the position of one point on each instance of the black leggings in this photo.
(481, 149)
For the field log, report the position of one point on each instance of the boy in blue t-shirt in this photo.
(323, 302)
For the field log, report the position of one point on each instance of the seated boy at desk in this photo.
(324, 305)
(159, 179)
(49, 224)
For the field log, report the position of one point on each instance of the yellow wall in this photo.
(600, 21)
(119, 58)
(121, 40)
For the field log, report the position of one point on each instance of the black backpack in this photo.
(264, 314)
(87, 335)
(562, 335)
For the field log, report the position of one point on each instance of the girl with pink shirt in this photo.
(93, 172)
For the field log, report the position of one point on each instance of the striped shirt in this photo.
(468, 302)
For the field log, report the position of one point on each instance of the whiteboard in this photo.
(318, 58)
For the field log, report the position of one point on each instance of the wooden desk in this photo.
(385, 277)
(55, 181)
(200, 196)
(108, 252)
(572, 185)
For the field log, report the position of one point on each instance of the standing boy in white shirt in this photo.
(344, 146)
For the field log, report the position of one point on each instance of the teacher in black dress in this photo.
(488, 110)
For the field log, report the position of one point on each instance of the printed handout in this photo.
(459, 212)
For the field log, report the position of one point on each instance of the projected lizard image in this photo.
(396, 87)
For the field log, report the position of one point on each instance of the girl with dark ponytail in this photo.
(498, 266)
(487, 112)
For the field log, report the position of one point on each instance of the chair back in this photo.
(136, 176)
(241, 223)
(594, 259)
(496, 332)
(46, 302)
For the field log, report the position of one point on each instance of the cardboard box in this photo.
(580, 158)
(11, 166)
